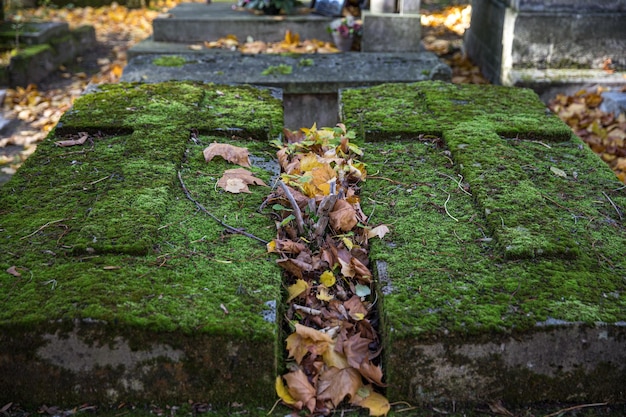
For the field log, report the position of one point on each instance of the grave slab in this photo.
(115, 285)
(305, 79)
(199, 22)
(508, 38)
(503, 275)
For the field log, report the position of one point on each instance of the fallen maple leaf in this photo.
(343, 216)
(231, 153)
(301, 389)
(335, 384)
(306, 339)
(237, 180)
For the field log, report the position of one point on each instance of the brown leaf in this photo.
(372, 373)
(300, 388)
(356, 349)
(343, 216)
(82, 138)
(335, 384)
(13, 271)
(233, 154)
(307, 340)
(237, 180)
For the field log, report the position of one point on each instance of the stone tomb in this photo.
(502, 277)
(550, 46)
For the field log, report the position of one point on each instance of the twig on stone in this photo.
(41, 228)
(296, 209)
(576, 407)
(619, 213)
(445, 206)
(207, 212)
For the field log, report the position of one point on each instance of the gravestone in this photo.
(114, 285)
(503, 276)
(550, 46)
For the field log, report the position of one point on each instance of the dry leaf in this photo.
(328, 279)
(335, 384)
(296, 289)
(237, 180)
(233, 154)
(343, 216)
(13, 271)
(82, 138)
(379, 231)
(283, 392)
(377, 404)
(301, 389)
(307, 340)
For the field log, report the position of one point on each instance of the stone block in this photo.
(517, 35)
(199, 22)
(391, 32)
(309, 87)
(122, 289)
(409, 6)
(502, 276)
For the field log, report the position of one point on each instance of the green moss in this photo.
(169, 61)
(104, 233)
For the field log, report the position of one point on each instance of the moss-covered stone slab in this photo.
(114, 285)
(504, 276)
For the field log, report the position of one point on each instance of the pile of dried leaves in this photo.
(322, 245)
(322, 242)
(605, 133)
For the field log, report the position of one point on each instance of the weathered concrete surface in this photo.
(503, 274)
(313, 78)
(507, 36)
(198, 22)
(391, 32)
(114, 286)
(44, 46)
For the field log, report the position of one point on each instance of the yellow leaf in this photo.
(347, 242)
(282, 391)
(271, 246)
(377, 404)
(296, 289)
(328, 279)
(323, 294)
(333, 358)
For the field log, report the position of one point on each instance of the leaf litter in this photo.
(333, 348)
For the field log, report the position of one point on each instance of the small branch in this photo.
(307, 310)
(576, 407)
(294, 205)
(445, 206)
(207, 212)
(619, 213)
(323, 213)
(41, 228)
